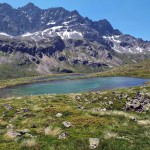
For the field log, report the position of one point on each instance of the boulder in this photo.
(7, 107)
(94, 143)
(63, 135)
(58, 115)
(24, 131)
(67, 124)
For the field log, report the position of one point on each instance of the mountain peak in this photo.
(30, 6)
(76, 13)
(5, 6)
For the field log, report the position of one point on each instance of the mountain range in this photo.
(42, 41)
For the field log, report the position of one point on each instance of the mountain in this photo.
(56, 40)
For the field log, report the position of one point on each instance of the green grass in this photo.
(27, 80)
(16, 65)
(141, 69)
(10, 71)
(113, 127)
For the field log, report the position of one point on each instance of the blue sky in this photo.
(129, 16)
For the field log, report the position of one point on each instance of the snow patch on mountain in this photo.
(113, 38)
(5, 34)
(56, 27)
(27, 34)
(139, 49)
(70, 35)
(52, 32)
(51, 23)
(125, 44)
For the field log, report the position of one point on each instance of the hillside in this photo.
(141, 69)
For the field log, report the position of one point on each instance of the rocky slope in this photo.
(57, 40)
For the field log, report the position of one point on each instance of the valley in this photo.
(71, 83)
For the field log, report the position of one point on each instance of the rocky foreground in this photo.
(109, 120)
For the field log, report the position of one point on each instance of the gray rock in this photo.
(24, 131)
(7, 107)
(110, 102)
(113, 92)
(139, 103)
(81, 107)
(99, 109)
(58, 115)
(126, 96)
(13, 134)
(34, 126)
(67, 124)
(133, 118)
(29, 135)
(94, 143)
(63, 135)
(10, 127)
(104, 109)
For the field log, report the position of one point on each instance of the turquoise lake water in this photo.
(72, 86)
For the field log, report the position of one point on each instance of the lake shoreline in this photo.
(36, 80)
(76, 85)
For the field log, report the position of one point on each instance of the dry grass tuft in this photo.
(29, 143)
(144, 122)
(147, 134)
(3, 123)
(10, 135)
(109, 135)
(52, 131)
(114, 113)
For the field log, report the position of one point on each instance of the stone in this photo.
(10, 126)
(63, 135)
(94, 143)
(11, 134)
(24, 131)
(104, 109)
(139, 103)
(58, 115)
(28, 135)
(67, 124)
(145, 108)
(110, 102)
(136, 105)
(138, 93)
(133, 118)
(34, 126)
(81, 107)
(126, 96)
(113, 92)
(7, 107)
